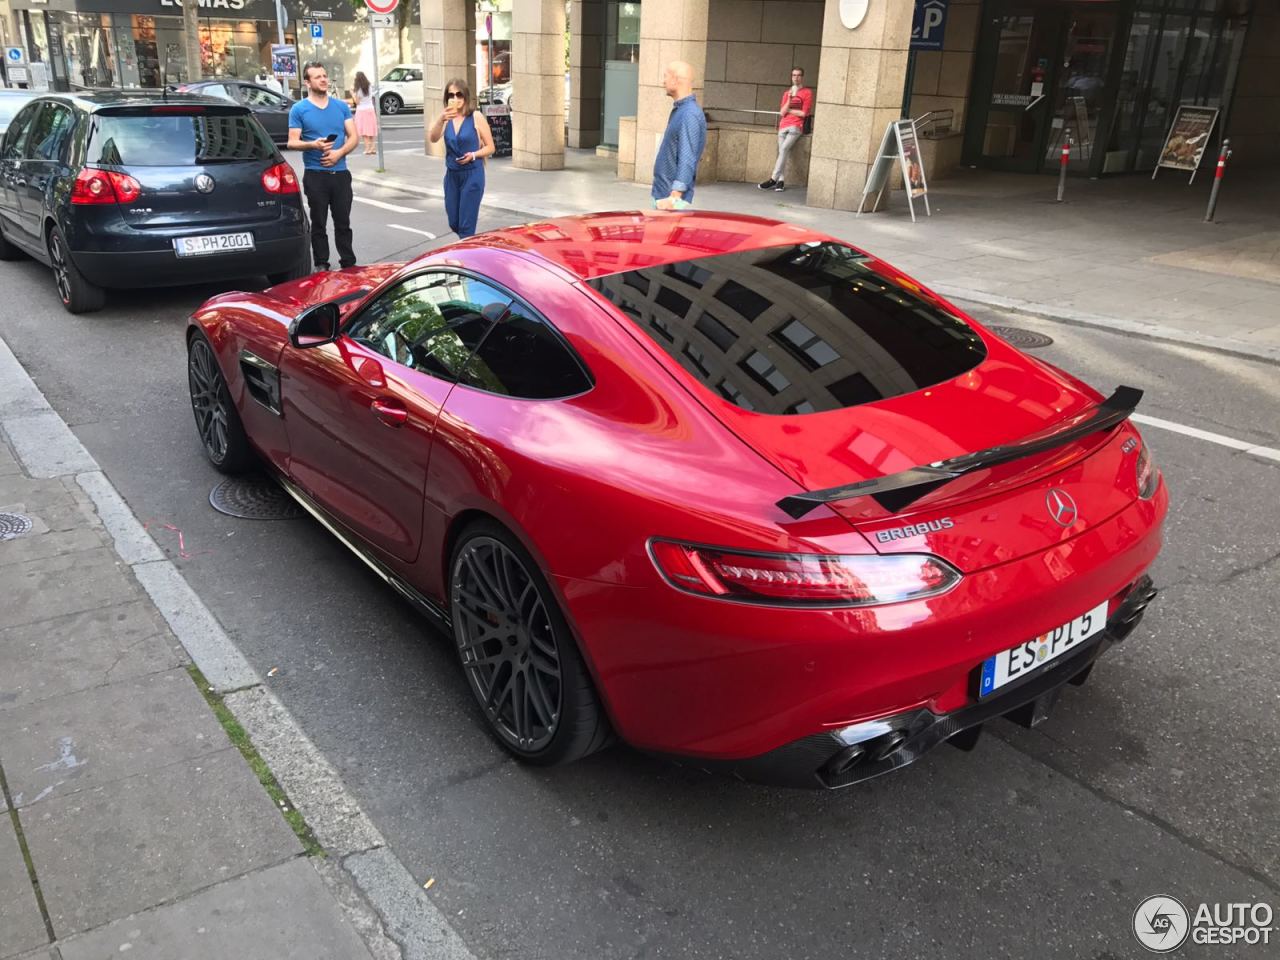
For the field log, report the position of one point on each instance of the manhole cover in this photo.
(13, 525)
(1026, 339)
(253, 498)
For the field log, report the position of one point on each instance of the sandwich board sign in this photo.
(899, 144)
(1187, 140)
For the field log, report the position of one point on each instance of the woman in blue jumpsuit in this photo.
(467, 141)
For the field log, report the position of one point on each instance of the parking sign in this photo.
(929, 25)
(317, 31)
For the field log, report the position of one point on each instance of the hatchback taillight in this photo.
(104, 186)
(280, 179)
(826, 580)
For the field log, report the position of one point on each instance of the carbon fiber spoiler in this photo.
(898, 490)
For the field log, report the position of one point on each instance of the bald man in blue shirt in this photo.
(675, 168)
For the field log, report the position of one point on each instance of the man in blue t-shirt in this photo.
(317, 125)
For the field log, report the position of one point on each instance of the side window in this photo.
(219, 90)
(50, 134)
(523, 357)
(18, 135)
(257, 97)
(414, 75)
(430, 323)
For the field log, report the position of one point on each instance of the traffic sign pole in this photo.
(383, 7)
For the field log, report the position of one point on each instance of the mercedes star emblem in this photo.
(1061, 507)
(204, 183)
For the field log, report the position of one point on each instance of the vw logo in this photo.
(1061, 507)
(204, 183)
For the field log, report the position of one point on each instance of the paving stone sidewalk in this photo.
(1126, 253)
(129, 822)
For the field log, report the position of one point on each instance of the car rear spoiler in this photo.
(898, 490)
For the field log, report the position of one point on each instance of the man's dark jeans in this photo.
(329, 192)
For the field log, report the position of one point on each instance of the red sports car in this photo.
(725, 487)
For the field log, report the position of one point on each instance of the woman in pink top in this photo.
(797, 103)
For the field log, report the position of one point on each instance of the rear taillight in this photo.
(801, 579)
(1148, 475)
(104, 186)
(280, 179)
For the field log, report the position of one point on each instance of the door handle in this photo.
(390, 412)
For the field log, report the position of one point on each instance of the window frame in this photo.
(516, 301)
(37, 108)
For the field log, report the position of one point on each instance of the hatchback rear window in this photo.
(165, 140)
(796, 329)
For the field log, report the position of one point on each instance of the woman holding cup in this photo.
(467, 141)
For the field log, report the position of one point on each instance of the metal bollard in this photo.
(1062, 168)
(1223, 157)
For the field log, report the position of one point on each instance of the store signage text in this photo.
(214, 4)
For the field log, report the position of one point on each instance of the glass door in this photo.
(1014, 89)
(1081, 94)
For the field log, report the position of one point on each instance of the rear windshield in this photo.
(163, 140)
(796, 329)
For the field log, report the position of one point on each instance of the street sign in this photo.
(317, 31)
(929, 25)
(320, 14)
(14, 56)
(381, 6)
(382, 21)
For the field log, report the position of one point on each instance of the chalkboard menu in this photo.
(499, 117)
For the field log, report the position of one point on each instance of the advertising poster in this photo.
(909, 158)
(284, 60)
(1188, 139)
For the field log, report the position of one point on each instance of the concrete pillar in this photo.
(669, 30)
(448, 47)
(586, 71)
(537, 91)
(860, 83)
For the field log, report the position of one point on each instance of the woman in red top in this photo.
(797, 103)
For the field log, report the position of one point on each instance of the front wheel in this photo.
(77, 294)
(520, 659)
(217, 420)
(392, 104)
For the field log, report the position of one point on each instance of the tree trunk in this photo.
(191, 34)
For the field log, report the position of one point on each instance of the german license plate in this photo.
(1016, 662)
(212, 243)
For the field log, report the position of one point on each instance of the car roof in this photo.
(102, 99)
(599, 244)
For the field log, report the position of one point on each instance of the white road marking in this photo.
(383, 205)
(1258, 451)
(396, 226)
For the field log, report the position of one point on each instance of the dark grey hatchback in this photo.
(144, 190)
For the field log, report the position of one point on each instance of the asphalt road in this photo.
(1158, 776)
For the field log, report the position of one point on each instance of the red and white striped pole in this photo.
(1223, 157)
(1062, 167)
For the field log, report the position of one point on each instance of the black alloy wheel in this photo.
(217, 421)
(519, 657)
(77, 294)
(391, 104)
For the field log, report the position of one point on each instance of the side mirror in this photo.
(315, 326)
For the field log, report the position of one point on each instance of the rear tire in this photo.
(391, 104)
(77, 294)
(517, 652)
(217, 420)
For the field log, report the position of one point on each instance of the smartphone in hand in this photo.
(331, 138)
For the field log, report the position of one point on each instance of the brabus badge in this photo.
(914, 530)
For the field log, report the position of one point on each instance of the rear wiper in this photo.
(898, 490)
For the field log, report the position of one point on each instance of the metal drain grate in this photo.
(253, 498)
(1025, 339)
(13, 525)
